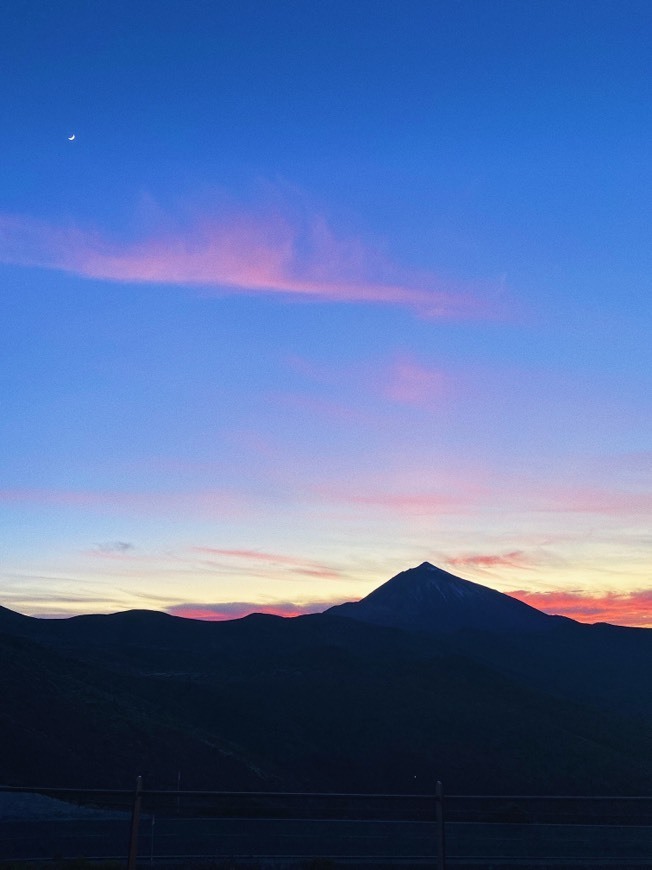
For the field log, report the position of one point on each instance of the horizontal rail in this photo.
(548, 797)
(301, 794)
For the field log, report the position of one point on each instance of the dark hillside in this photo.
(607, 666)
(315, 702)
(64, 722)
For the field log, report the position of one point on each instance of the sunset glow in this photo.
(320, 292)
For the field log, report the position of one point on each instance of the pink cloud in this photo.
(297, 564)
(325, 573)
(248, 254)
(515, 559)
(238, 609)
(454, 496)
(630, 608)
(406, 501)
(411, 383)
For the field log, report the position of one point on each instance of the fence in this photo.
(264, 829)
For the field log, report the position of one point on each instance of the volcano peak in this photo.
(428, 598)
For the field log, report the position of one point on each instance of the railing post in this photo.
(135, 824)
(441, 834)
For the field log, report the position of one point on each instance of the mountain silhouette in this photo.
(426, 598)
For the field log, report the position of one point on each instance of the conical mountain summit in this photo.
(427, 598)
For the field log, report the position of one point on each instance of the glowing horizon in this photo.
(631, 609)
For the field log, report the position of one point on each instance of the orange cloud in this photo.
(630, 608)
(515, 559)
(243, 254)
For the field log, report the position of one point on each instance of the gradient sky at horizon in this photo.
(320, 291)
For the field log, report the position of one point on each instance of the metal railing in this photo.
(136, 826)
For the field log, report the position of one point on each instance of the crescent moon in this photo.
(70, 138)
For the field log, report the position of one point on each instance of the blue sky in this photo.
(319, 291)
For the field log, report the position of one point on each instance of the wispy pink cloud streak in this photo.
(245, 254)
(295, 563)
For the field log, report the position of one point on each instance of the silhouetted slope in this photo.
(608, 666)
(427, 598)
(65, 722)
(10, 620)
(315, 702)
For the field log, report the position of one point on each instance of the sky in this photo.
(318, 292)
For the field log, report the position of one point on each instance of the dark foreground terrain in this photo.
(265, 830)
(431, 677)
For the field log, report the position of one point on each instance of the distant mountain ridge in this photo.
(427, 598)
